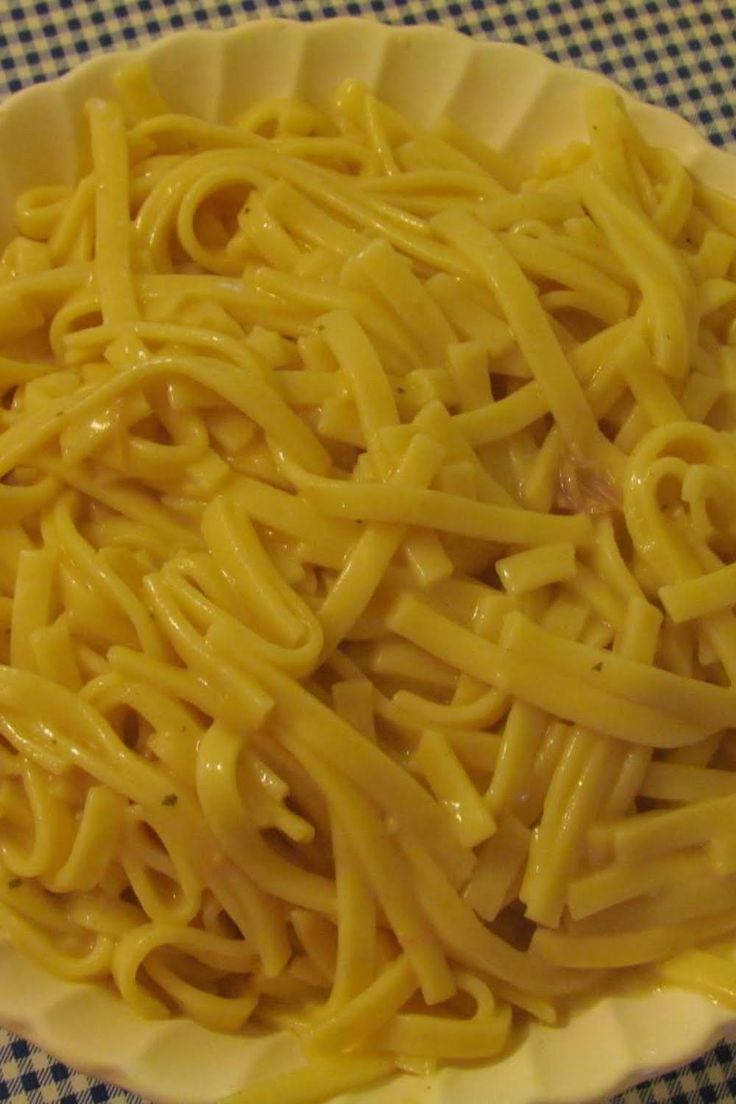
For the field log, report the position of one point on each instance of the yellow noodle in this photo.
(367, 530)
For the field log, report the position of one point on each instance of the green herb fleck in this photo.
(14, 883)
(170, 799)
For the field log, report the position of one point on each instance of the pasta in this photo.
(367, 538)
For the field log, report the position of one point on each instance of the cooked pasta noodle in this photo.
(367, 540)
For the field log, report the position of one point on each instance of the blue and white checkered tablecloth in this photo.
(676, 53)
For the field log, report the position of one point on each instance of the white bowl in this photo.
(515, 99)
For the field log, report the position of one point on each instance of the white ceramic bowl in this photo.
(515, 99)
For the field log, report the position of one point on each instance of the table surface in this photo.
(670, 52)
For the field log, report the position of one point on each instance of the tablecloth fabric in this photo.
(676, 53)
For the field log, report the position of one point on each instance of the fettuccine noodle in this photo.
(368, 583)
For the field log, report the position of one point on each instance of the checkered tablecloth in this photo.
(676, 53)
